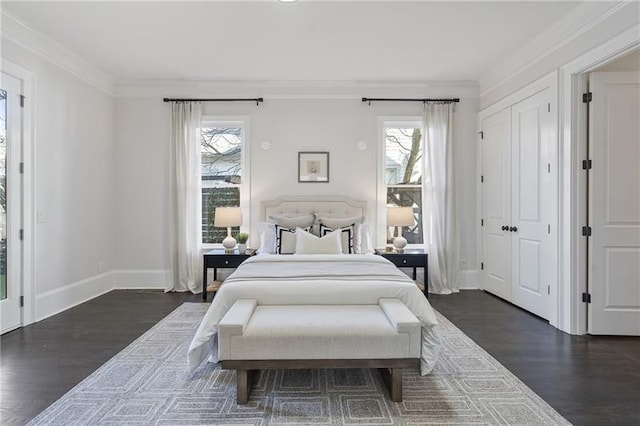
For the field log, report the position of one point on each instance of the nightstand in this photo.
(218, 258)
(411, 258)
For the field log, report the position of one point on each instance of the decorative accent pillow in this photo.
(366, 245)
(304, 221)
(267, 233)
(346, 236)
(286, 239)
(307, 243)
(356, 222)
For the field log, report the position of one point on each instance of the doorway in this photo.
(613, 197)
(11, 201)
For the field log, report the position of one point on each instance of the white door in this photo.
(614, 208)
(533, 200)
(10, 202)
(496, 203)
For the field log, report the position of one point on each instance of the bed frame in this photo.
(330, 206)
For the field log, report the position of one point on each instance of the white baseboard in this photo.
(141, 279)
(469, 279)
(55, 301)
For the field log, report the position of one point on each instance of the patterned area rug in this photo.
(148, 383)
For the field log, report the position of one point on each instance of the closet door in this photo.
(496, 203)
(533, 199)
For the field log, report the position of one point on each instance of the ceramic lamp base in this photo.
(399, 243)
(229, 243)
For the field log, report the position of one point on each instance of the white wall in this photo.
(74, 184)
(521, 68)
(290, 125)
(142, 179)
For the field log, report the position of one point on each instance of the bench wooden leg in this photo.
(393, 379)
(396, 384)
(243, 385)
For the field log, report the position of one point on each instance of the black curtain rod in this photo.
(423, 100)
(256, 100)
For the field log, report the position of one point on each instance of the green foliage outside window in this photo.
(212, 198)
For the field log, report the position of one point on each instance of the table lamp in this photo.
(228, 217)
(399, 217)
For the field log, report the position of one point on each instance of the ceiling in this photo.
(302, 41)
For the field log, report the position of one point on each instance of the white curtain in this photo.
(185, 197)
(439, 217)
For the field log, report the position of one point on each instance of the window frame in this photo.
(381, 193)
(242, 122)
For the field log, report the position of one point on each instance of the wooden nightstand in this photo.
(411, 258)
(218, 258)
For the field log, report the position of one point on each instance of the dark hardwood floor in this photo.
(589, 380)
(41, 362)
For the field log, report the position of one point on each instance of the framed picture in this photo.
(313, 167)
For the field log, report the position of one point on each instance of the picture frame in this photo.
(313, 167)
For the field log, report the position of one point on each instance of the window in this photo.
(222, 154)
(403, 165)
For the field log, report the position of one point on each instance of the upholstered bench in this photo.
(255, 337)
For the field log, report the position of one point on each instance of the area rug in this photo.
(148, 383)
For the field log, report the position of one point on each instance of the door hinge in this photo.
(548, 107)
(548, 289)
(548, 228)
(481, 178)
(586, 297)
(481, 134)
(587, 97)
(586, 164)
(481, 222)
(22, 98)
(482, 266)
(548, 167)
(21, 301)
(21, 234)
(21, 168)
(586, 231)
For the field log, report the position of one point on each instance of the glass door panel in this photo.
(3, 192)
(10, 202)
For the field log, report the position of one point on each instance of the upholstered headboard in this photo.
(328, 206)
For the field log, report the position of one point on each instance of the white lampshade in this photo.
(400, 216)
(227, 217)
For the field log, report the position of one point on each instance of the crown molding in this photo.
(580, 20)
(297, 89)
(25, 36)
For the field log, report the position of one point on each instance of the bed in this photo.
(317, 279)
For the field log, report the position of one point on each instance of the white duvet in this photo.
(342, 279)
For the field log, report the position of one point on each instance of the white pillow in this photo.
(340, 222)
(307, 243)
(348, 236)
(293, 222)
(366, 245)
(267, 233)
(343, 222)
(286, 239)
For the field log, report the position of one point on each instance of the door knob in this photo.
(514, 229)
(505, 228)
